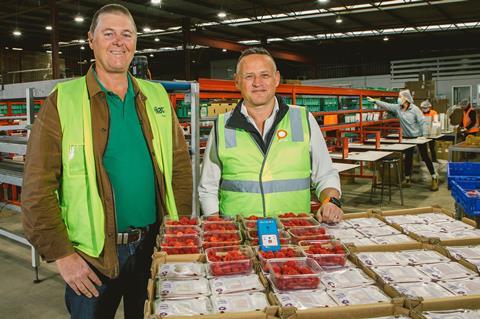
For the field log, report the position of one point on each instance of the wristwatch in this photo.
(332, 200)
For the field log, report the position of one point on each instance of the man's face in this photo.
(257, 79)
(113, 42)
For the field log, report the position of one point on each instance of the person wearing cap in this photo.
(263, 156)
(427, 110)
(412, 123)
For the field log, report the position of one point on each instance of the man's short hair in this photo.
(255, 50)
(110, 8)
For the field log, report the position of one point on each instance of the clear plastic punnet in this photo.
(327, 253)
(294, 273)
(229, 260)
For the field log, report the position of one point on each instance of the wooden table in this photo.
(342, 167)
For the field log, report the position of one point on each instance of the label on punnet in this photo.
(268, 238)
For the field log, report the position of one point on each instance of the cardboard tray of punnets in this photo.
(423, 210)
(160, 258)
(410, 303)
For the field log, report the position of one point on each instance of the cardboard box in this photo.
(389, 290)
(429, 240)
(464, 303)
(442, 149)
(159, 258)
(345, 312)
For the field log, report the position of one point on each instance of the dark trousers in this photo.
(431, 146)
(134, 262)
(422, 149)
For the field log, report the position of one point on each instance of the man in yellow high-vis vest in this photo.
(263, 156)
(106, 161)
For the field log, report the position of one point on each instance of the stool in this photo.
(387, 165)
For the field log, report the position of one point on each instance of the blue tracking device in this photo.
(268, 238)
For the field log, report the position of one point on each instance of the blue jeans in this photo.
(131, 284)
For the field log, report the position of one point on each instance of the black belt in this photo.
(133, 235)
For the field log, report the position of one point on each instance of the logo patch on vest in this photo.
(159, 110)
(281, 134)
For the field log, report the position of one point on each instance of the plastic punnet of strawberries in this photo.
(308, 233)
(184, 220)
(293, 215)
(327, 253)
(218, 226)
(232, 260)
(181, 230)
(221, 238)
(284, 252)
(294, 273)
(174, 245)
(298, 222)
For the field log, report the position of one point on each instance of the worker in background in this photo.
(412, 123)
(427, 110)
(106, 161)
(262, 157)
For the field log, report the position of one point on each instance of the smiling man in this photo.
(263, 156)
(103, 167)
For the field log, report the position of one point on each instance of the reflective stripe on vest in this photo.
(80, 203)
(254, 184)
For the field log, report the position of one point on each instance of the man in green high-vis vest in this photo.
(106, 161)
(263, 157)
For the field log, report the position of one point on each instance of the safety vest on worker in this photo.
(254, 183)
(466, 117)
(80, 203)
(430, 113)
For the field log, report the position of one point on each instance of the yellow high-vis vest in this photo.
(265, 185)
(80, 203)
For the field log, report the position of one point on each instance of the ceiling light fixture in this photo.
(224, 50)
(385, 38)
(48, 27)
(146, 29)
(157, 2)
(157, 39)
(151, 55)
(323, 1)
(222, 14)
(81, 41)
(78, 18)
(82, 48)
(17, 33)
(339, 20)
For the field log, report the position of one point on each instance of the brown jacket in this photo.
(42, 221)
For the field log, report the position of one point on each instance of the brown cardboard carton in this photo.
(160, 258)
(345, 312)
(464, 303)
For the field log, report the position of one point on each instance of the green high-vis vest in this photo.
(265, 185)
(80, 203)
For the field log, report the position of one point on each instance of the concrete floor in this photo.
(20, 298)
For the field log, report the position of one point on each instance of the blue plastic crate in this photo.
(470, 204)
(463, 171)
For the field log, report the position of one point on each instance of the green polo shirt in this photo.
(128, 163)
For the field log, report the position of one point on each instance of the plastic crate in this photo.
(470, 204)
(463, 171)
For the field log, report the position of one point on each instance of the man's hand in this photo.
(78, 275)
(329, 213)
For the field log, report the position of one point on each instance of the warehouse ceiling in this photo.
(312, 30)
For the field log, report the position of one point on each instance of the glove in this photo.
(369, 99)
